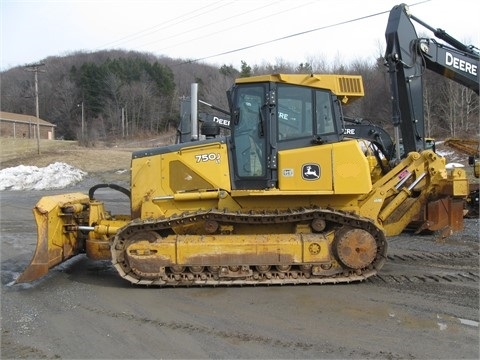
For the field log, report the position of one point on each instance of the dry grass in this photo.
(16, 152)
(98, 158)
(11, 148)
(105, 162)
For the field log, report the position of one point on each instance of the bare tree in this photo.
(67, 111)
(142, 85)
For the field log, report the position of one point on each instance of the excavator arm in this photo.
(407, 56)
(454, 64)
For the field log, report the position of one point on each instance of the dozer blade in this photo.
(55, 241)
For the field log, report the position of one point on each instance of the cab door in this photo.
(252, 151)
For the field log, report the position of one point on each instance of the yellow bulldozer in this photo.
(288, 196)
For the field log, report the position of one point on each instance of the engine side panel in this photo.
(158, 177)
(339, 168)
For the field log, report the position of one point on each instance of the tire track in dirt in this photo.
(315, 348)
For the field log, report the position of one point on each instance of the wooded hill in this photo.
(145, 91)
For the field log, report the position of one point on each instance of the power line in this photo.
(232, 27)
(215, 24)
(167, 24)
(204, 10)
(294, 35)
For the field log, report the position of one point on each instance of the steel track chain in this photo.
(340, 218)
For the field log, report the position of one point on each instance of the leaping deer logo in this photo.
(311, 171)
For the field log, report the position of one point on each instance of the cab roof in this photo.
(346, 87)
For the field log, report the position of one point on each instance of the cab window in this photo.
(324, 116)
(294, 112)
(248, 137)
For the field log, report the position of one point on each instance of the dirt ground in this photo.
(424, 304)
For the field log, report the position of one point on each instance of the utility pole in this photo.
(83, 122)
(123, 122)
(35, 68)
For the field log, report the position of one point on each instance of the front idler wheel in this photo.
(355, 248)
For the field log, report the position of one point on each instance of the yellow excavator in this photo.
(288, 196)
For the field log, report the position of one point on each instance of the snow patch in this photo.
(468, 322)
(454, 166)
(442, 326)
(445, 153)
(55, 176)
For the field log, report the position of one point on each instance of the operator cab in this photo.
(279, 112)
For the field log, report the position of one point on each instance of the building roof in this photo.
(22, 118)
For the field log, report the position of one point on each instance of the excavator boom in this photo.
(407, 56)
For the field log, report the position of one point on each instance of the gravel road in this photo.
(424, 304)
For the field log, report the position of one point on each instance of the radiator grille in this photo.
(350, 85)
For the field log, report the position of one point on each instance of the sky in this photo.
(219, 32)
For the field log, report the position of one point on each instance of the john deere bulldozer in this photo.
(288, 196)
